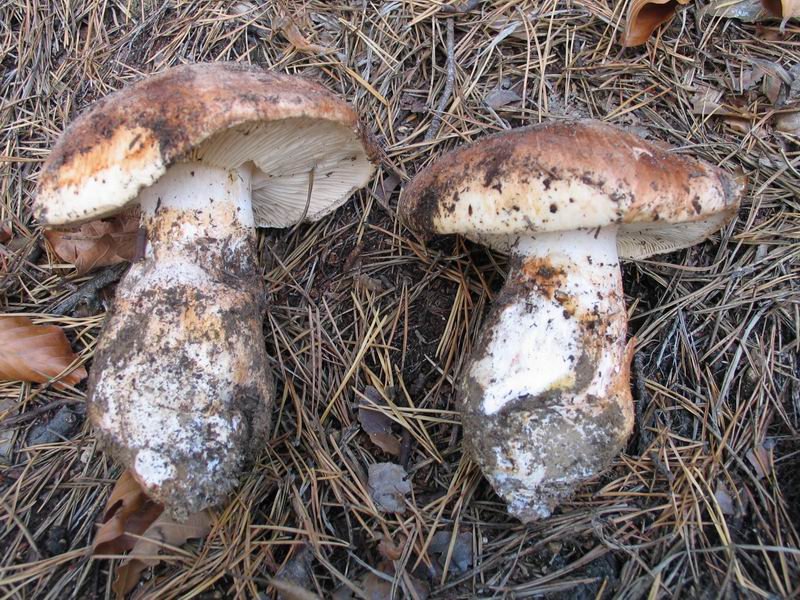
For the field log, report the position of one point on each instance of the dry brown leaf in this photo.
(5, 232)
(291, 591)
(644, 16)
(129, 512)
(388, 485)
(782, 9)
(164, 531)
(761, 459)
(98, 243)
(706, 101)
(724, 499)
(788, 122)
(376, 424)
(378, 588)
(748, 11)
(461, 556)
(292, 33)
(35, 353)
(389, 550)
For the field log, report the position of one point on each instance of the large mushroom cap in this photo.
(571, 175)
(224, 115)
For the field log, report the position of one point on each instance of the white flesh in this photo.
(548, 370)
(175, 398)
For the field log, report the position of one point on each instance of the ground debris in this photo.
(388, 486)
(60, 427)
(376, 424)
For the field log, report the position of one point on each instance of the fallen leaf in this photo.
(389, 550)
(164, 531)
(461, 557)
(376, 424)
(706, 101)
(295, 575)
(761, 459)
(388, 185)
(748, 11)
(644, 17)
(291, 591)
(501, 95)
(98, 243)
(724, 499)
(379, 588)
(788, 122)
(5, 232)
(129, 512)
(292, 33)
(782, 9)
(35, 353)
(388, 486)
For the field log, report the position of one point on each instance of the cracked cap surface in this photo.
(570, 175)
(223, 113)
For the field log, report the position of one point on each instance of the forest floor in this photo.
(705, 500)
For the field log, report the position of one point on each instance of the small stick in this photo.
(436, 123)
(462, 8)
(11, 422)
(89, 289)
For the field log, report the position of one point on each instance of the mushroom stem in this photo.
(546, 396)
(180, 388)
(177, 215)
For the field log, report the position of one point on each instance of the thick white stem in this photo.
(546, 397)
(538, 340)
(180, 388)
(193, 201)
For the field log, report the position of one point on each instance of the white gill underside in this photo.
(536, 345)
(634, 240)
(285, 154)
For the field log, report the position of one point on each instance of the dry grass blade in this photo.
(35, 353)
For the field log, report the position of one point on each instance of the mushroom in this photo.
(180, 388)
(545, 397)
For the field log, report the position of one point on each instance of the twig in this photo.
(462, 8)
(436, 123)
(11, 422)
(89, 289)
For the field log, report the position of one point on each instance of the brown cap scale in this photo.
(180, 388)
(545, 398)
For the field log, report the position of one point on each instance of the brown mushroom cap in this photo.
(571, 175)
(285, 125)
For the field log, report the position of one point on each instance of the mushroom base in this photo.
(546, 398)
(180, 389)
